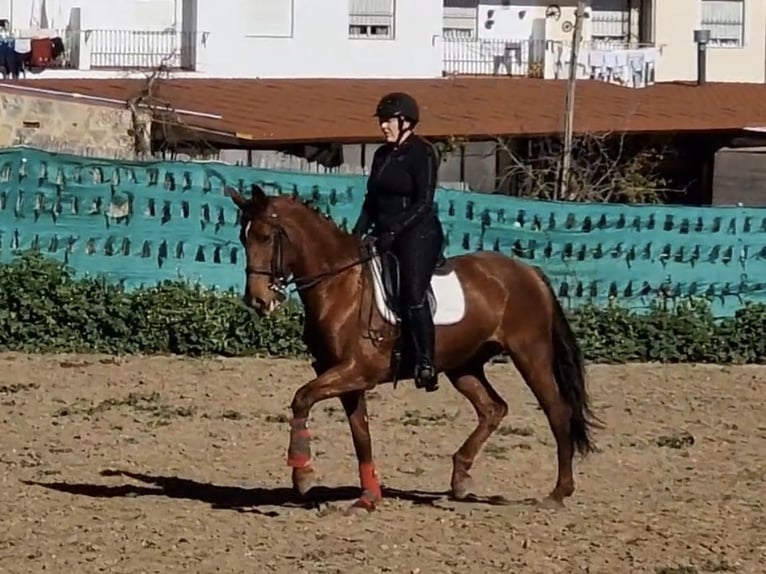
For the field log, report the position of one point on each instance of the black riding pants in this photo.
(418, 251)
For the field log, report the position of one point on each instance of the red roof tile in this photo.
(334, 109)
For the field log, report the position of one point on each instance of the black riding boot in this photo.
(421, 327)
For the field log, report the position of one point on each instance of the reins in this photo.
(311, 281)
(279, 279)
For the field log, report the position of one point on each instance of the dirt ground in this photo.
(169, 465)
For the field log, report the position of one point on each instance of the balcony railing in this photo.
(475, 56)
(628, 64)
(118, 49)
(138, 49)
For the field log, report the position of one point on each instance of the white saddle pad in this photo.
(447, 299)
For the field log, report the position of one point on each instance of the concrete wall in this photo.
(64, 126)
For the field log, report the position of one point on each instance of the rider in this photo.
(399, 208)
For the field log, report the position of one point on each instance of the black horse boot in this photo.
(421, 327)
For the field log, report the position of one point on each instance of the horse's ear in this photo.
(238, 199)
(258, 195)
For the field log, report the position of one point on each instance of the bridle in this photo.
(279, 277)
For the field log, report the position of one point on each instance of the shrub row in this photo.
(45, 308)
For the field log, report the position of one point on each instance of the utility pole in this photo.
(566, 161)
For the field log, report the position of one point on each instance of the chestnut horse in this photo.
(509, 306)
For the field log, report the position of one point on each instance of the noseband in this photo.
(278, 279)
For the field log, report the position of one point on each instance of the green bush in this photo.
(44, 308)
(685, 333)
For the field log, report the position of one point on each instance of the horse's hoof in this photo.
(362, 504)
(462, 488)
(303, 479)
(551, 503)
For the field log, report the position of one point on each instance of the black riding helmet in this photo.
(398, 104)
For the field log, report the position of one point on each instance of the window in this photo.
(371, 19)
(726, 21)
(459, 21)
(610, 21)
(270, 18)
(457, 33)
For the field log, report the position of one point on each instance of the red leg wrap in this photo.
(299, 451)
(368, 476)
(298, 460)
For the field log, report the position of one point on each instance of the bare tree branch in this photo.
(608, 167)
(162, 115)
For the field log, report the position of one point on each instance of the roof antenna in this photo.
(701, 38)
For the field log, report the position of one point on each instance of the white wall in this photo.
(318, 44)
(96, 14)
(675, 22)
(239, 38)
(525, 19)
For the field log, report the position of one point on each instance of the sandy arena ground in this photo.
(168, 465)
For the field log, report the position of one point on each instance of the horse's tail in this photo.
(569, 372)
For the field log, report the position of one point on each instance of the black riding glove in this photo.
(385, 241)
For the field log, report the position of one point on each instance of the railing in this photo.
(140, 49)
(477, 56)
(629, 64)
(120, 49)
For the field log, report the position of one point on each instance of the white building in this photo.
(243, 38)
(628, 41)
(643, 40)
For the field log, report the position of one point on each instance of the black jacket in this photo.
(400, 188)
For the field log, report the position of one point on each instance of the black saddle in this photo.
(401, 358)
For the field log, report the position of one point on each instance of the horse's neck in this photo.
(325, 255)
(322, 248)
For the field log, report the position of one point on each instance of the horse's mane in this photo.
(312, 205)
(255, 206)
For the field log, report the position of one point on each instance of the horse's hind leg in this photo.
(534, 362)
(490, 408)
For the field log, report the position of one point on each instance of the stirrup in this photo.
(429, 382)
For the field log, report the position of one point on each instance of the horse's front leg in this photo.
(355, 406)
(336, 381)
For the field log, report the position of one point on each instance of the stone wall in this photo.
(65, 126)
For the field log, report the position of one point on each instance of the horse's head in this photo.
(265, 241)
(285, 239)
